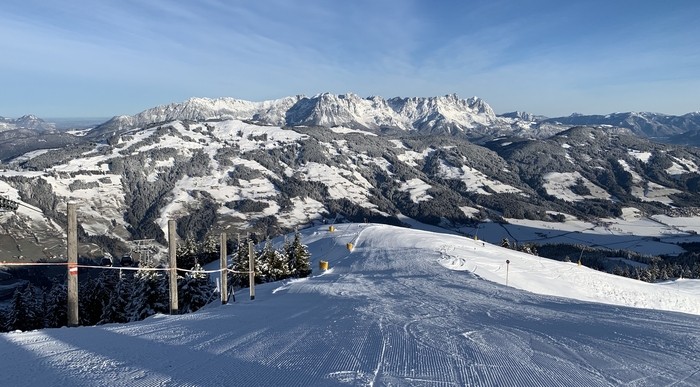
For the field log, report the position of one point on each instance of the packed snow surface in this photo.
(403, 307)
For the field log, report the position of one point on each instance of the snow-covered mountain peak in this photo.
(345, 110)
(28, 121)
(447, 113)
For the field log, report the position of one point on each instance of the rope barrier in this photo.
(33, 264)
(119, 267)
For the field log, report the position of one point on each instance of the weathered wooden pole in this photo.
(72, 280)
(172, 244)
(224, 269)
(251, 269)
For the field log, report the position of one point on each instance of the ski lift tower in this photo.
(144, 246)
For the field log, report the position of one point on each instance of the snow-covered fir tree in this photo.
(27, 309)
(240, 264)
(195, 290)
(186, 253)
(298, 257)
(56, 301)
(273, 263)
(209, 249)
(116, 308)
(151, 294)
(94, 295)
(17, 313)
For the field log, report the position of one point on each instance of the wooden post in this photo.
(251, 269)
(224, 269)
(172, 243)
(72, 281)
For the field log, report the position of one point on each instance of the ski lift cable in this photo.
(30, 207)
(13, 205)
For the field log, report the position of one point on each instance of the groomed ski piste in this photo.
(402, 308)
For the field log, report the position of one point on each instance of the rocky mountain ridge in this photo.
(446, 114)
(271, 166)
(213, 175)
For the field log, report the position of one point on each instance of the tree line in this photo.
(120, 296)
(627, 263)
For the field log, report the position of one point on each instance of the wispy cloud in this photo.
(501, 50)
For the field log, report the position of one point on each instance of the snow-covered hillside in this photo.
(404, 307)
(237, 174)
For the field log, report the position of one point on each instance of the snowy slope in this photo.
(405, 307)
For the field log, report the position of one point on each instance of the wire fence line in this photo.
(72, 265)
(79, 266)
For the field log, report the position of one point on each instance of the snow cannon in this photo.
(331, 228)
(323, 265)
(349, 246)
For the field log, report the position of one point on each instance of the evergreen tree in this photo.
(241, 265)
(34, 298)
(27, 309)
(86, 302)
(151, 294)
(18, 312)
(209, 250)
(3, 319)
(298, 257)
(115, 311)
(187, 253)
(94, 296)
(505, 243)
(194, 290)
(262, 269)
(273, 263)
(56, 300)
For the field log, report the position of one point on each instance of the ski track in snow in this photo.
(402, 308)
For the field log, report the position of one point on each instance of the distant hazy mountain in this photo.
(653, 125)
(525, 116)
(28, 133)
(26, 122)
(76, 123)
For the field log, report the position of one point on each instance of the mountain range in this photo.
(446, 114)
(471, 118)
(267, 167)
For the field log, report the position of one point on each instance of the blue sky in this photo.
(551, 57)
